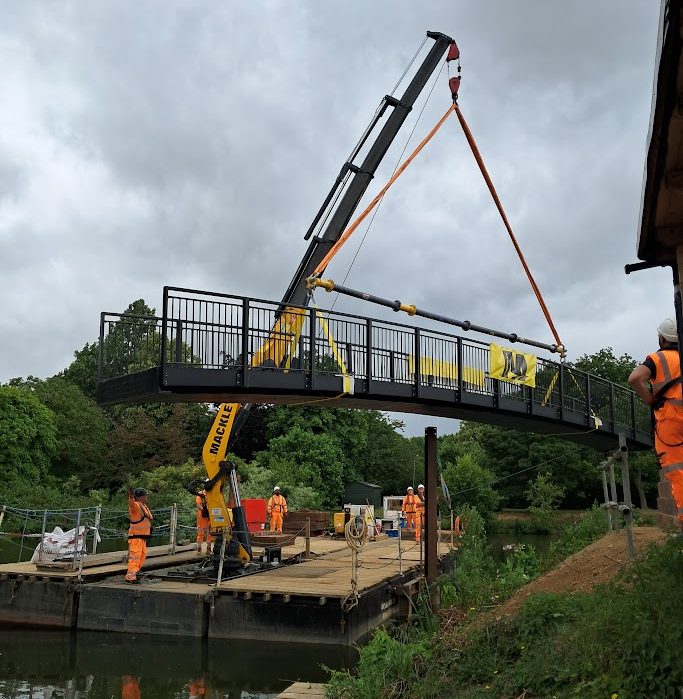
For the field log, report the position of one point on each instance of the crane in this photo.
(325, 230)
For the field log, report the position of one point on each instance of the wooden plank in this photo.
(303, 690)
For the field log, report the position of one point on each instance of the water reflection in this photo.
(59, 665)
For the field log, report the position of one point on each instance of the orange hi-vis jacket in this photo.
(140, 520)
(419, 505)
(409, 505)
(668, 407)
(277, 504)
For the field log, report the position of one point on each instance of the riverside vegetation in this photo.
(624, 640)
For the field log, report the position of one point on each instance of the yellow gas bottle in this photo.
(339, 522)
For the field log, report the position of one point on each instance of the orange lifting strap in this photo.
(454, 84)
(351, 229)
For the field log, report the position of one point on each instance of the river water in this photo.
(90, 665)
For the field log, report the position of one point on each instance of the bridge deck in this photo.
(204, 345)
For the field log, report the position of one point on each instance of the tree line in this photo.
(58, 448)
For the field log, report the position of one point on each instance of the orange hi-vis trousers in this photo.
(276, 520)
(669, 448)
(137, 552)
(203, 527)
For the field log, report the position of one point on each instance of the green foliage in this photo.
(27, 447)
(82, 372)
(388, 667)
(623, 639)
(544, 497)
(471, 484)
(605, 365)
(476, 581)
(302, 458)
(81, 429)
(574, 537)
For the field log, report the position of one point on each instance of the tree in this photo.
(605, 365)
(28, 444)
(471, 484)
(301, 458)
(81, 430)
(82, 372)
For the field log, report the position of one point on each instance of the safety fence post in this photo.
(245, 341)
(452, 533)
(42, 537)
(77, 541)
(220, 565)
(307, 555)
(626, 485)
(400, 551)
(98, 518)
(173, 526)
(606, 495)
(613, 486)
(311, 346)
(23, 533)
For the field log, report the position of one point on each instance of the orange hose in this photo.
(351, 229)
(492, 189)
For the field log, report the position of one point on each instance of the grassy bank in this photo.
(623, 639)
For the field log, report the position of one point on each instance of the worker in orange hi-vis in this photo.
(139, 532)
(277, 509)
(203, 521)
(130, 689)
(419, 511)
(658, 382)
(409, 509)
(197, 689)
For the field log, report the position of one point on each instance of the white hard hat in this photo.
(410, 487)
(668, 330)
(420, 486)
(277, 487)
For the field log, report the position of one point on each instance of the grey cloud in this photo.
(191, 144)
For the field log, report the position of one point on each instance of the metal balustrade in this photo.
(210, 346)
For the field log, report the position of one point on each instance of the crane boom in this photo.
(334, 215)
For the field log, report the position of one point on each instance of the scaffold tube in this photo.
(329, 285)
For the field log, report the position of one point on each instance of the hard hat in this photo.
(668, 330)
(420, 486)
(277, 487)
(410, 487)
(139, 492)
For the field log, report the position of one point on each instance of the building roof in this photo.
(661, 221)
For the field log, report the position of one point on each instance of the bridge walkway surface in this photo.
(211, 347)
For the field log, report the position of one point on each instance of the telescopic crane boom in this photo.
(332, 219)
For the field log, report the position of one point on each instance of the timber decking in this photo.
(329, 575)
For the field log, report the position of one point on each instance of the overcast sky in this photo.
(191, 143)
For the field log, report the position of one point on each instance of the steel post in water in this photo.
(430, 511)
(626, 484)
(98, 519)
(42, 537)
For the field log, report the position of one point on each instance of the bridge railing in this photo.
(221, 331)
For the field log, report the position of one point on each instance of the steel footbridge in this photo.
(212, 347)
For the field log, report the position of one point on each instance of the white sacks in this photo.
(61, 544)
